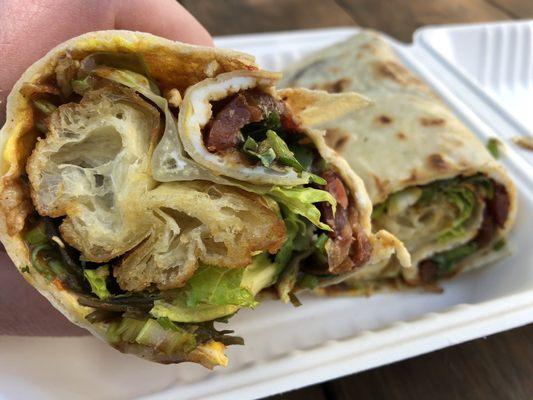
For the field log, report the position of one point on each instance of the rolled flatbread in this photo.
(432, 183)
(150, 189)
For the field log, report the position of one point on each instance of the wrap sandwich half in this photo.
(151, 188)
(432, 183)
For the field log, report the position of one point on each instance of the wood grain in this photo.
(495, 368)
(499, 367)
(515, 8)
(315, 392)
(400, 18)
(231, 17)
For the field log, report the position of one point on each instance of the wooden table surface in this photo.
(497, 367)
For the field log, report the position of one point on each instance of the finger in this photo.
(29, 29)
(165, 18)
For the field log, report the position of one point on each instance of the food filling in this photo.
(459, 216)
(160, 262)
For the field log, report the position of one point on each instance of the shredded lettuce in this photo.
(97, 279)
(160, 334)
(446, 260)
(459, 192)
(297, 246)
(289, 277)
(218, 292)
(299, 200)
(465, 201)
(296, 238)
(178, 311)
(461, 196)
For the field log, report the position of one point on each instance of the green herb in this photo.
(271, 149)
(266, 154)
(283, 154)
(493, 145)
(265, 143)
(25, 269)
(258, 130)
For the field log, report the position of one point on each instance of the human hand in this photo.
(28, 30)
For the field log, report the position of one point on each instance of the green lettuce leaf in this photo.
(235, 289)
(97, 279)
(299, 200)
(177, 310)
(218, 286)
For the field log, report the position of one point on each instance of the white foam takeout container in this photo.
(287, 348)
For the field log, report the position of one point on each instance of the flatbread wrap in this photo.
(432, 183)
(150, 189)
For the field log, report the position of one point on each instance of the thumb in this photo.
(165, 18)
